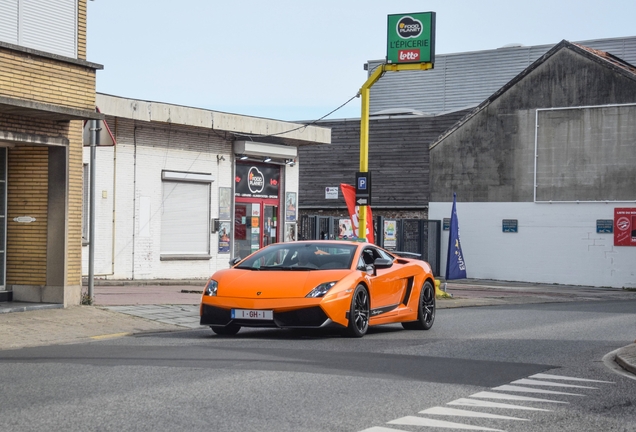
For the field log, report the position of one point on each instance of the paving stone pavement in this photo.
(178, 315)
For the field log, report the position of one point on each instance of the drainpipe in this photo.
(94, 134)
(134, 198)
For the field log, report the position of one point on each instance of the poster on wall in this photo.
(290, 232)
(625, 226)
(225, 203)
(224, 237)
(390, 234)
(345, 230)
(290, 206)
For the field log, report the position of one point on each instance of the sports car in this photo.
(318, 284)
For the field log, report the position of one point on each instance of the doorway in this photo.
(255, 225)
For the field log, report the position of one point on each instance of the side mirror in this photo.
(235, 261)
(382, 263)
(370, 270)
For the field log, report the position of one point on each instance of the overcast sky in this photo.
(301, 59)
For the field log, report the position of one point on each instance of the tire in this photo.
(425, 309)
(228, 330)
(359, 313)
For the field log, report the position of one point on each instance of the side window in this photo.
(361, 264)
(385, 255)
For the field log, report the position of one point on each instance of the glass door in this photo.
(255, 226)
(270, 224)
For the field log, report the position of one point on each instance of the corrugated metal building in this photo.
(460, 80)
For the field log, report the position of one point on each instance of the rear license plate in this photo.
(252, 314)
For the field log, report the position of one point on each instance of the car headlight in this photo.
(211, 288)
(320, 290)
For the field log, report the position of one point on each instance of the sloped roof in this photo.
(601, 57)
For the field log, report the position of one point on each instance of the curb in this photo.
(26, 307)
(626, 358)
(145, 282)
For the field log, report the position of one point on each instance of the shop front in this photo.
(256, 206)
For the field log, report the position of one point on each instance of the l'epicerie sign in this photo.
(625, 226)
(411, 38)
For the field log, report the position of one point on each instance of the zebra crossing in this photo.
(504, 397)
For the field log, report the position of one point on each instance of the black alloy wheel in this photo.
(359, 313)
(425, 309)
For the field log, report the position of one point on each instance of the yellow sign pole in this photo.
(364, 124)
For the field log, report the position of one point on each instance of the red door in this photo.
(255, 225)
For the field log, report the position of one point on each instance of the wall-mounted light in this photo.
(220, 158)
(267, 159)
(290, 162)
(241, 157)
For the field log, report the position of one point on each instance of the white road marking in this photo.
(491, 395)
(532, 380)
(382, 429)
(526, 381)
(566, 378)
(488, 404)
(466, 413)
(421, 421)
(532, 390)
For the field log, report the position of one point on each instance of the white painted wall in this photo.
(141, 228)
(104, 212)
(137, 234)
(556, 243)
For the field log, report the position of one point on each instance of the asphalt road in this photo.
(271, 380)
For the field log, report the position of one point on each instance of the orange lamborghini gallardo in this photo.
(317, 284)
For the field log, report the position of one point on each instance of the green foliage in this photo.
(86, 300)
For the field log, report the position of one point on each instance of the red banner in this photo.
(349, 194)
(625, 226)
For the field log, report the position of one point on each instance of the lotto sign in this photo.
(411, 38)
(625, 226)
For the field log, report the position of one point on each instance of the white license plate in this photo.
(252, 314)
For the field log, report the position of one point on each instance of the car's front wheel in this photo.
(425, 309)
(359, 313)
(228, 330)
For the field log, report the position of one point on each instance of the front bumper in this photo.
(309, 317)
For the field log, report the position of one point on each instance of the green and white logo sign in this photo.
(411, 38)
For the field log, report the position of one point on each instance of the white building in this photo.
(181, 190)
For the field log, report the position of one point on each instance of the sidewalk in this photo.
(123, 309)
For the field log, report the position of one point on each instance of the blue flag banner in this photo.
(455, 265)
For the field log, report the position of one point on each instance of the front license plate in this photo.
(252, 314)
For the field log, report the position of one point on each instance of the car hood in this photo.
(272, 284)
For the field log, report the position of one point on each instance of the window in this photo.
(45, 25)
(185, 215)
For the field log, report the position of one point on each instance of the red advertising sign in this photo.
(625, 226)
(349, 194)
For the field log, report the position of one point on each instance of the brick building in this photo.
(47, 90)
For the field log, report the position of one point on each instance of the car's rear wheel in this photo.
(228, 330)
(425, 309)
(359, 313)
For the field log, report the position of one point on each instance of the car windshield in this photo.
(301, 256)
